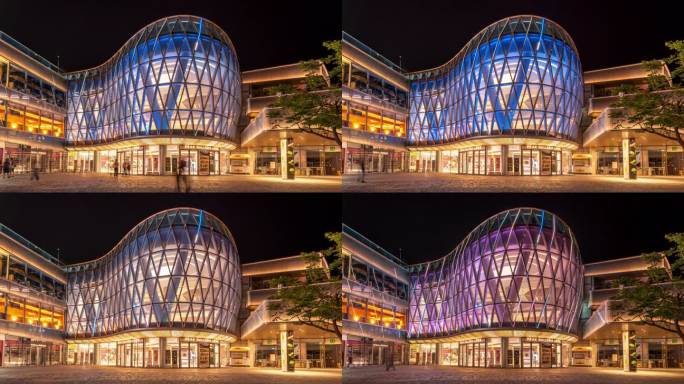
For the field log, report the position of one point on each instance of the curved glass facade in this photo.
(519, 77)
(177, 77)
(178, 269)
(518, 270)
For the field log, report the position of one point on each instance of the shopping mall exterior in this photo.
(172, 94)
(171, 294)
(513, 294)
(513, 101)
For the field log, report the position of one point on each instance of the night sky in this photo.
(86, 226)
(428, 226)
(429, 33)
(86, 33)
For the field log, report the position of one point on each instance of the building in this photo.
(513, 101)
(170, 294)
(605, 139)
(32, 109)
(32, 303)
(375, 100)
(171, 99)
(375, 291)
(513, 294)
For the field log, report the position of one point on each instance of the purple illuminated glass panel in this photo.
(519, 269)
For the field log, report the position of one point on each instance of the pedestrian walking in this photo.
(6, 168)
(128, 168)
(389, 361)
(34, 172)
(181, 177)
(362, 177)
(349, 359)
(116, 168)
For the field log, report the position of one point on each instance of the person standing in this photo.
(181, 177)
(116, 168)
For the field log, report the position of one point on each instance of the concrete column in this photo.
(251, 358)
(438, 357)
(593, 165)
(438, 160)
(594, 354)
(93, 359)
(252, 161)
(302, 352)
(286, 158)
(162, 160)
(627, 349)
(96, 161)
(504, 352)
(628, 155)
(504, 163)
(283, 351)
(162, 340)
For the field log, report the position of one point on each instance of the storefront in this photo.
(373, 160)
(494, 352)
(650, 161)
(308, 160)
(650, 353)
(515, 160)
(308, 353)
(152, 352)
(20, 351)
(153, 160)
(366, 351)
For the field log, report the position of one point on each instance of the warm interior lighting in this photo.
(14, 318)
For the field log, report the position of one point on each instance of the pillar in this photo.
(629, 158)
(251, 357)
(96, 161)
(438, 160)
(251, 165)
(594, 354)
(287, 158)
(628, 350)
(438, 358)
(93, 359)
(504, 160)
(286, 351)
(162, 165)
(593, 165)
(504, 348)
(162, 340)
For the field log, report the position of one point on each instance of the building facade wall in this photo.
(520, 76)
(178, 269)
(519, 269)
(178, 76)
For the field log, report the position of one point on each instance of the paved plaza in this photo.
(441, 182)
(92, 182)
(102, 375)
(443, 375)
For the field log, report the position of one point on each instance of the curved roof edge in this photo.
(84, 264)
(134, 40)
(467, 238)
(467, 48)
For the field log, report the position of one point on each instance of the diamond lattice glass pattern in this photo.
(520, 76)
(519, 269)
(178, 76)
(178, 268)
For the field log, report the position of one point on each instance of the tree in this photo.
(316, 107)
(315, 299)
(657, 300)
(660, 108)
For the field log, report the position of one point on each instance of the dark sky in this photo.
(85, 227)
(428, 33)
(85, 33)
(428, 226)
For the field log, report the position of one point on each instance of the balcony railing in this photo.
(21, 240)
(20, 290)
(372, 331)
